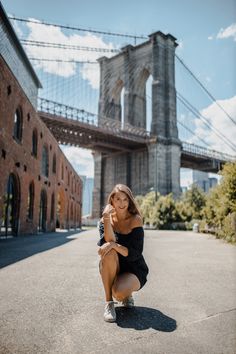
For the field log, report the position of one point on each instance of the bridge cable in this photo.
(202, 118)
(108, 33)
(197, 114)
(204, 88)
(192, 132)
(66, 46)
(65, 61)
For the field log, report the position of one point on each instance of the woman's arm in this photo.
(106, 247)
(108, 230)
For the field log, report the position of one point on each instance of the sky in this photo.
(205, 31)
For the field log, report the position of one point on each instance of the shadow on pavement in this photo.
(141, 318)
(17, 248)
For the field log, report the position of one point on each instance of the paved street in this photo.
(51, 297)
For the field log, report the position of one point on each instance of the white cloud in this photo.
(16, 26)
(230, 31)
(180, 44)
(51, 34)
(92, 74)
(210, 38)
(218, 119)
(80, 159)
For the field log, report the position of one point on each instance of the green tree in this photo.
(165, 212)
(194, 200)
(220, 209)
(227, 186)
(147, 205)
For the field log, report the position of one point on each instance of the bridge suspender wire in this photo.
(190, 107)
(66, 46)
(115, 34)
(65, 61)
(192, 132)
(204, 88)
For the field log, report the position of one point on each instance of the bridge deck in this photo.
(86, 135)
(77, 127)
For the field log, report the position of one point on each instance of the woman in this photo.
(122, 266)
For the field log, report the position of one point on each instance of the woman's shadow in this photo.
(141, 318)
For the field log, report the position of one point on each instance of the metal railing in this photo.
(117, 127)
(201, 151)
(61, 110)
(65, 111)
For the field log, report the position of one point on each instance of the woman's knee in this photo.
(110, 257)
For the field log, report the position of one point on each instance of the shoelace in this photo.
(108, 305)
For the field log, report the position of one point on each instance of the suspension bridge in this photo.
(125, 104)
(72, 126)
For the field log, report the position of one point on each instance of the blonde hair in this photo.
(133, 207)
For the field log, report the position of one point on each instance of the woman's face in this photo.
(120, 202)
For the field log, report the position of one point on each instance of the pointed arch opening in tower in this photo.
(122, 107)
(140, 99)
(149, 103)
(115, 110)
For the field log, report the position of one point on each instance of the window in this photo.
(30, 208)
(62, 172)
(54, 164)
(45, 162)
(11, 206)
(52, 206)
(18, 123)
(35, 143)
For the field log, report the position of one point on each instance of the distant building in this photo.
(184, 189)
(202, 180)
(39, 189)
(87, 195)
(213, 182)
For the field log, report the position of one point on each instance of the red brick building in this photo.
(39, 189)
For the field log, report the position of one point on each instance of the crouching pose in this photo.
(122, 266)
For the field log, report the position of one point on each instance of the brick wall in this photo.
(13, 57)
(16, 158)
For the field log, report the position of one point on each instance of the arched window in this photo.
(71, 211)
(18, 123)
(43, 211)
(34, 143)
(62, 171)
(52, 206)
(54, 164)
(45, 162)
(11, 206)
(30, 207)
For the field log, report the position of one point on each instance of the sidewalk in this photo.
(52, 298)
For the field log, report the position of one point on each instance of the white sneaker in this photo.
(110, 312)
(128, 302)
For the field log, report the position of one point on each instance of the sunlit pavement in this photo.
(51, 297)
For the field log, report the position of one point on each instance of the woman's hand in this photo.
(105, 248)
(108, 210)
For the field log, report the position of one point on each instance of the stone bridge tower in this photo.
(157, 167)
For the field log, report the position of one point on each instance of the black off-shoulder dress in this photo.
(134, 262)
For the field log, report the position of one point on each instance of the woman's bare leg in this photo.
(124, 285)
(109, 267)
